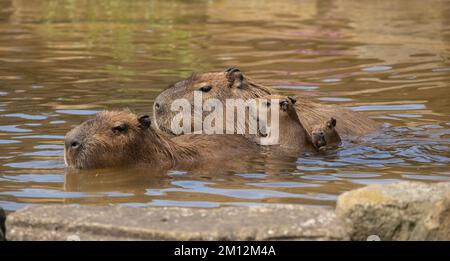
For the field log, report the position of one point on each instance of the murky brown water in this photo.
(61, 61)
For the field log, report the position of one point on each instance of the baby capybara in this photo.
(288, 132)
(325, 136)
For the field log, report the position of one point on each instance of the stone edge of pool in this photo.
(398, 211)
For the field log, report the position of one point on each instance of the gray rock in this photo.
(399, 211)
(277, 222)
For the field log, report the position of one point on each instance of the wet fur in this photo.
(292, 134)
(325, 136)
(310, 113)
(144, 145)
(222, 89)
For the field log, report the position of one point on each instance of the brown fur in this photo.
(291, 133)
(223, 88)
(325, 136)
(235, 85)
(97, 143)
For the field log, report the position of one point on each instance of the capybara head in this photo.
(111, 138)
(288, 131)
(218, 85)
(325, 135)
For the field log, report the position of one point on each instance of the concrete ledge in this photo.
(277, 222)
(399, 211)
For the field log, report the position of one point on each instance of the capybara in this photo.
(121, 138)
(325, 136)
(287, 132)
(232, 84)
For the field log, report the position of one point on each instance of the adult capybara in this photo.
(325, 136)
(232, 84)
(121, 138)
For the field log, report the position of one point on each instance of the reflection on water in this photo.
(61, 61)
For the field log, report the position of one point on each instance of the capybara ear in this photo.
(144, 121)
(293, 99)
(284, 105)
(331, 123)
(235, 77)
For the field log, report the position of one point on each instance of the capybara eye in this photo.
(206, 88)
(120, 128)
(74, 145)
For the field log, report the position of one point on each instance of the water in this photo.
(61, 61)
